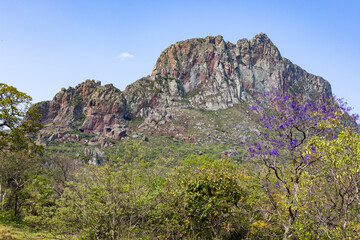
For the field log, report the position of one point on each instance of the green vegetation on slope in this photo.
(298, 180)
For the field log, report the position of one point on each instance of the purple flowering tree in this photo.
(281, 155)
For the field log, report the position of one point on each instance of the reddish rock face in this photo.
(88, 107)
(207, 74)
(224, 73)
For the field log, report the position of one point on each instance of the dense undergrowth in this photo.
(299, 179)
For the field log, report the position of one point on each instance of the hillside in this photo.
(200, 91)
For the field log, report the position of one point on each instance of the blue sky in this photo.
(46, 45)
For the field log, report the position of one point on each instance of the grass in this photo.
(16, 232)
(192, 94)
(214, 132)
(182, 101)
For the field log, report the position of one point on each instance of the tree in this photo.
(103, 202)
(19, 124)
(284, 163)
(204, 199)
(335, 180)
(17, 171)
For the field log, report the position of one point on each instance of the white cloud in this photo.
(125, 55)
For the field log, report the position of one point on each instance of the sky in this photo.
(47, 45)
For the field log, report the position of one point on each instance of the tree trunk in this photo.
(16, 212)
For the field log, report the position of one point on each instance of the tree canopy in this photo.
(19, 124)
(18, 121)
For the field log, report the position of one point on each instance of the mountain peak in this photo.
(201, 73)
(177, 60)
(262, 37)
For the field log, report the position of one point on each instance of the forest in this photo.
(299, 179)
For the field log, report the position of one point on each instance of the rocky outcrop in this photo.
(89, 107)
(229, 153)
(96, 156)
(213, 74)
(208, 74)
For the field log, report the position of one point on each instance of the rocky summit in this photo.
(202, 74)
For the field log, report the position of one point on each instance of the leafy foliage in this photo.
(287, 160)
(300, 181)
(211, 200)
(16, 133)
(336, 180)
(18, 151)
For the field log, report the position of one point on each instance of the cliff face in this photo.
(88, 107)
(207, 74)
(222, 73)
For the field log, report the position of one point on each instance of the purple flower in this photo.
(251, 154)
(313, 149)
(253, 108)
(274, 152)
(259, 147)
(293, 143)
(251, 149)
(281, 126)
(277, 184)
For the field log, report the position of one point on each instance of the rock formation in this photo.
(89, 107)
(213, 74)
(208, 74)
